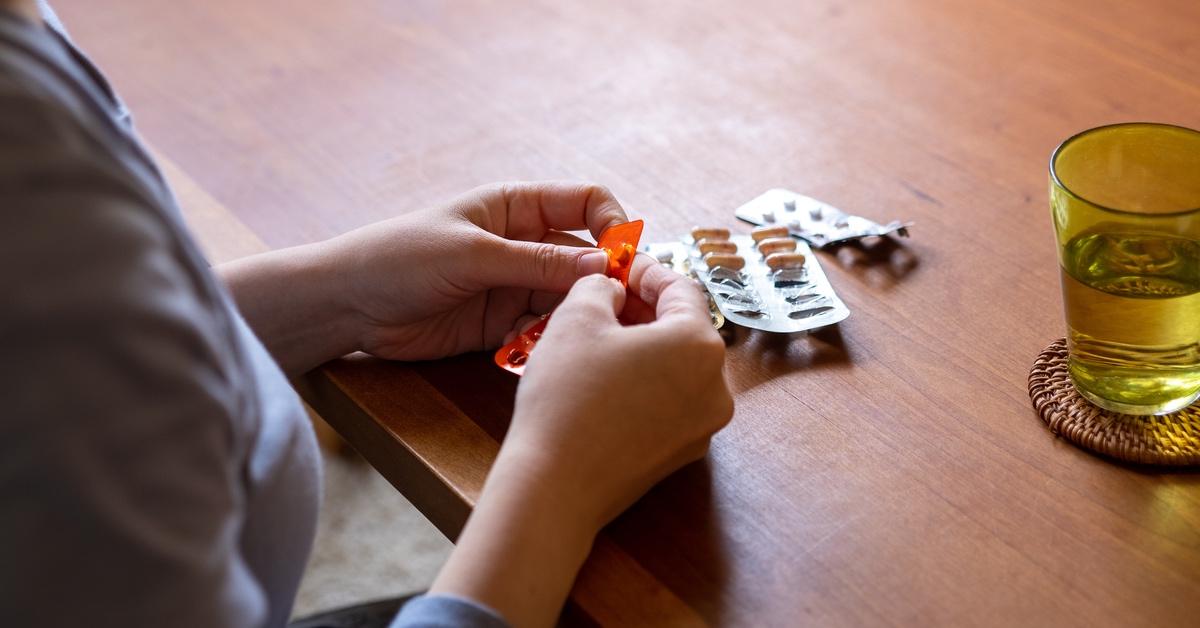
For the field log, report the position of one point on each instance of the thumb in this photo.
(539, 265)
(593, 300)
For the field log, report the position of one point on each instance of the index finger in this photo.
(672, 295)
(534, 208)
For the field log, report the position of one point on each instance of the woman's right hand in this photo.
(609, 410)
(603, 412)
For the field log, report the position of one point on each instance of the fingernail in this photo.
(593, 263)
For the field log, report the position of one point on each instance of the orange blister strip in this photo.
(620, 243)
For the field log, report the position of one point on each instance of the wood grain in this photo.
(886, 472)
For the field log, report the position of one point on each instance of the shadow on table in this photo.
(1184, 476)
(756, 357)
(881, 264)
(486, 393)
(474, 384)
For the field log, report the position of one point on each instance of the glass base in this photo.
(1126, 408)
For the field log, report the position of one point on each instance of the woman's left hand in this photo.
(463, 276)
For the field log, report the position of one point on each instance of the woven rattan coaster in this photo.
(1171, 439)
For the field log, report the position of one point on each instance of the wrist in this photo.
(531, 475)
(523, 544)
(333, 270)
(294, 301)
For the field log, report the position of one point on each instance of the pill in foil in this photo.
(742, 288)
(780, 261)
(776, 245)
(791, 278)
(728, 276)
(718, 246)
(709, 233)
(725, 260)
(762, 233)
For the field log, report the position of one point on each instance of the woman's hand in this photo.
(427, 284)
(457, 278)
(608, 410)
(603, 412)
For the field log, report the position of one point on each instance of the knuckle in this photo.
(712, 343)
(698, 450)
(707, 348)
(725, 408)
(488, 197)
(488, 187)
(542, 258)
(718, 405)
(602, 205)
(598, 192)
(480, 248)
(499, 188)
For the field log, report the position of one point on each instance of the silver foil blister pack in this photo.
(820, 224)
(784, 301)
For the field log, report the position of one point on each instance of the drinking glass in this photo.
(1126, 205)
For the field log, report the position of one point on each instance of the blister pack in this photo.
(807, 218)
(766, 281)
(620, 243)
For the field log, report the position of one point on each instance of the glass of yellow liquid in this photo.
(1126, 205)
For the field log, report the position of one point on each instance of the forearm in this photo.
(522, 547)
(294, 301)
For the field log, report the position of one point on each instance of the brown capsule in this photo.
(779, 261)
(776, 245)
(762, 233)
(723, 260)
(709, 233)
(623, 256)
(720, 246)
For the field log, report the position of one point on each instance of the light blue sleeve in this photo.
(447, 611)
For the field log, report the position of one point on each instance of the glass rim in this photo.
(1062, 186)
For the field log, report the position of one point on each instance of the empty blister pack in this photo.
(780, 288)
(818, 223)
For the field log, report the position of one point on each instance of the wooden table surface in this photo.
(887, 471)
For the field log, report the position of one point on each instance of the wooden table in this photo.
(888, 471)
